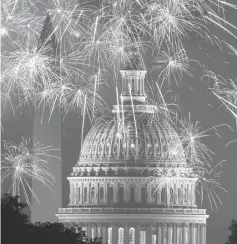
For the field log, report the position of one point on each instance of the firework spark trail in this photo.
(68, 96)
(208, 184)
(27, 69)
(26, 162)
(18, 21)
(197, 153)
(171, 66)
(69, 20)
(225, 91)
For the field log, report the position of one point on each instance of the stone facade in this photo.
(132, 183)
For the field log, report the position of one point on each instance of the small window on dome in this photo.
(179, 195)
(153, 195)
(121, 194)
(85, 194)
(101, 192)
(132, 194)
(143, 195)
(111, 195)
(163, 195)
(171, 195)
(93, 194)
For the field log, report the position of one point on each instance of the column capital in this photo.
(178, 225)
(203, 225)
(185, 225)
(197, 225)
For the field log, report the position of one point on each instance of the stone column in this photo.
(159, 233)
(137, 234)
(193, 195)
(89, 193)
(70, 194)
(104, 234)
(179, 229)
(116, 197)
(89, 231)
(175, 233)
(192, 233)
(184, 236)
(99, 230)
(126, 234)
(96, 230)
(138, 193)
(77, 196)
(165, 233)
(106, 192)
(169, 233)
(148, 234)
(202, 234)
(82, 192)
(114, 234)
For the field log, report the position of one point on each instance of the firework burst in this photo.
(18, 21)
(24, 163)
(171, 66)
(208, 184)
(70, 21)
(197, 153)
(26, 70)
(68, 96)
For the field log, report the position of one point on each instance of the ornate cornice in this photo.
(132, 211)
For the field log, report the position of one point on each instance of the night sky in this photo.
(194, 98)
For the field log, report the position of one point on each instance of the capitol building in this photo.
(132, 183)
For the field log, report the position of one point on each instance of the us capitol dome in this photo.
(114, 192)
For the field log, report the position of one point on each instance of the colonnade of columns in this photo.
(161, 233)
(96, 193)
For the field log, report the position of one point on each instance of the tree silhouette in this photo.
(16, 227)
(13, 220)
(232, 239)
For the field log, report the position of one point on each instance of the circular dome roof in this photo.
(115, 139)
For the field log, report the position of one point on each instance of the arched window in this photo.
(163, 195)
(121, 194)
(153, 195)
(143, 195)
(111, 194)
(110, 235)
(92, 233)
(188, 194)
(143, 237)
(153, 241)
(79, 194)
(85, 194)
(179, 196)
(171, 195)
(120, 236)
(131, 236)
(101, 192)
(98, 234)
(133, 85)
(132, 194)
(185, 194)
(92, 194)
